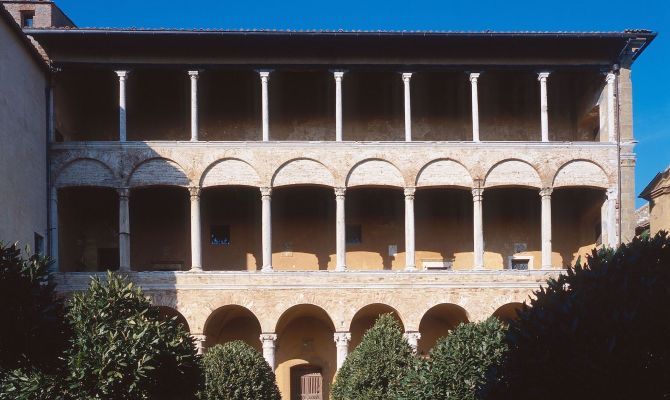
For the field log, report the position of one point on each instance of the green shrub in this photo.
(600, 331)
(458, 365)
(33, 333)
(121, 349)
(376, 368)
(236, 371)
(24, 384)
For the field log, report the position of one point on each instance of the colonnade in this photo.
(608, 226)
(339, 75)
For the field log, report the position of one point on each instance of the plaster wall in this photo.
(659, 214)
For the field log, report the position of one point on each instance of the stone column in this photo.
(123, 77)
(474, 77)
(53, 236)
(611, 105)
(413, 338)
(478, 229)
(196, 239)
(338, 104)
(544, 108)
(199, 341)
(611, 223)
(408, 106)
(268, 340)
(545, 194)
(265, 77)
(342, 344)
(410, 263)
(340, 231)
(266, 200)
(124, 229)
(194, 105)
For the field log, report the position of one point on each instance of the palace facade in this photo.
(286, 187)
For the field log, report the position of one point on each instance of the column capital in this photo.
(611, 193)
(546, 192)
(264, 74)
(124, 192)
(338, 75)
(409, 193)
(266, 191)
(406, 76)
(474, 76)
(340, 191)
(268, 339)
(610, 77)
(194, 191)
(543, 75)
(194, 74)
(477, 193)
(342, 338)
(122, 74)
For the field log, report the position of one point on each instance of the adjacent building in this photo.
(657, 193)
(286, 187)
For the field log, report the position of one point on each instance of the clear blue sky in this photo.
(651, 73)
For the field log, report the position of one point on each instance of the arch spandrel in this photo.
(513, 173)
(444, 173)
(230, 172)
(158, 171)
(581, 173)
(86, 172)
(303, 172)
(375, 172)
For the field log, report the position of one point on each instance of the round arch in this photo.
(158, 172)
(513, 172)
(166, 313)
(230, 171)
(508, 312)
(444, 172)
(375, 172)
(85, 172)
(365, 319)
(581, 173)
(437, 322)
(303, 171)
(232, 322)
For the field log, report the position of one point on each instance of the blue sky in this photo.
(651, 79)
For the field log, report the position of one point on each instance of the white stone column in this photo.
(611, 223)
(478, 227)
(338, 104)
(545, 194)
(194, 104)
(413, 338)
(123, 77)
(53, 235)
(340, 230)
(611, 105)
(342, 344)
(410, 263)
(474, 77)
(268, 340)
(124, 229)
(265, 78)
(266, 200)
(544, 108)
(408, 106)
(196, 237)
(199, 341)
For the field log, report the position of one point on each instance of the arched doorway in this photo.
(365, 319)
(437, 322)
(232, 322)
(305, 349)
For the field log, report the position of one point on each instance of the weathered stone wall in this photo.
(23, 134)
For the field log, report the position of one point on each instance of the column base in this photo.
(195, 269)
(410, 268)
(341, 268)
(267, 268)
(478, 268)
(547, 267)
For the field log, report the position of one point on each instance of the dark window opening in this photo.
(353, 234)
(39, 243)
(27, 18)
(220, 235)
(520, 264)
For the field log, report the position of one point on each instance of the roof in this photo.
(11, 23)
(659, 185)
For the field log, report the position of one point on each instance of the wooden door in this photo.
(306, 383)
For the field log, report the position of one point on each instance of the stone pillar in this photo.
(340, 231)
(196, 239)
(199, 341)
(410, 263)
(265, 77)
(342, 344)
(124, 229)
(338, 104)
(123, 77)
(544, 108)
(268, 340)
(266, 200)
(194, 105)
(408, 106)
(611, 104)
(610, 225)
(545, 194)
(478, 228)
(413, 338)
(474, 77)
(53, 235)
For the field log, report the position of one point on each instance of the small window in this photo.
(520, 264)
(220, 235)
(27, 19)
(39, 243)
(353, 234)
